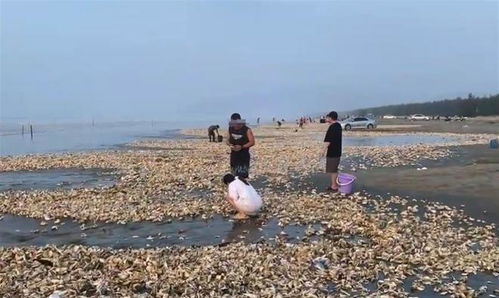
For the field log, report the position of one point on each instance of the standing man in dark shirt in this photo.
(211, 132)
(240, 139)
(333, 149)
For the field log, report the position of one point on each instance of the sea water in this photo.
(74, 137)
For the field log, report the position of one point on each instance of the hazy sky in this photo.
(162, 60)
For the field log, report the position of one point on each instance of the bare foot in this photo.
(240, 216)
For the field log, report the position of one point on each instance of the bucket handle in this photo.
(344, 184)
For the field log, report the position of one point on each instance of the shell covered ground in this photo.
(362, 240)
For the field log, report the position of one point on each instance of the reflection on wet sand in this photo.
(71, 178)
(22, 231)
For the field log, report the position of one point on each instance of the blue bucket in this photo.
(494, 143)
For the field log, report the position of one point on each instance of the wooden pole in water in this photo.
(22, 130)
(31, 130)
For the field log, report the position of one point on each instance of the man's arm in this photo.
(227, 139)
(327, 140)
(251, 139)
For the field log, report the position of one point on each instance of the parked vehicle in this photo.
(389, 117)
(416, 117)
(358, 122)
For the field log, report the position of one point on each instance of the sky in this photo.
(202, 60)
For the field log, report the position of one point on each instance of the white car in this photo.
(358, 122)
(389, 117)
(416, 117)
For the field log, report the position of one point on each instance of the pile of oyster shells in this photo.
(362, 240)
(166, 182)
(429, 243)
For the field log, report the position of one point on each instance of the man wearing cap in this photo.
(240, 138)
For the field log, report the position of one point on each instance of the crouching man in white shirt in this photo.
(242, 196)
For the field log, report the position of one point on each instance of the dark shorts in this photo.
(240, 164)
(332, 164)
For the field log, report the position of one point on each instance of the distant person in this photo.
(242, 196)
(211, 132)
(258, 121)
(279, 123)
(333, 149)
(240, 138)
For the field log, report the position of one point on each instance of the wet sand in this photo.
(468, 180)
(18, 231)
(471, 125)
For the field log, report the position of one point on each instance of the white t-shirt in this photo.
(245, 197)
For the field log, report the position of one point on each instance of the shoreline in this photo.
(185, 133)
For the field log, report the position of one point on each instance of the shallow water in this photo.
(56, 179)
(475, 281)
(395, 140)
(83, 137)
(24, 231)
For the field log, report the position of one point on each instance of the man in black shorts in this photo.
(333, 149)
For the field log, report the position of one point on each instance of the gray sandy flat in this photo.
(471, 178)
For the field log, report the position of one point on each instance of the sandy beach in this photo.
(249, 149)
(422, 222)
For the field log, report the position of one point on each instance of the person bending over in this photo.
(211, 132)
(242, 196)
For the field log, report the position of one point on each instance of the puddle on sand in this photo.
(56, 179)
(484, 283)
(23, 231)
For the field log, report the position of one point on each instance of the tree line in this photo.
(466, 107)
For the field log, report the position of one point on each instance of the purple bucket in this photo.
(346, 183)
